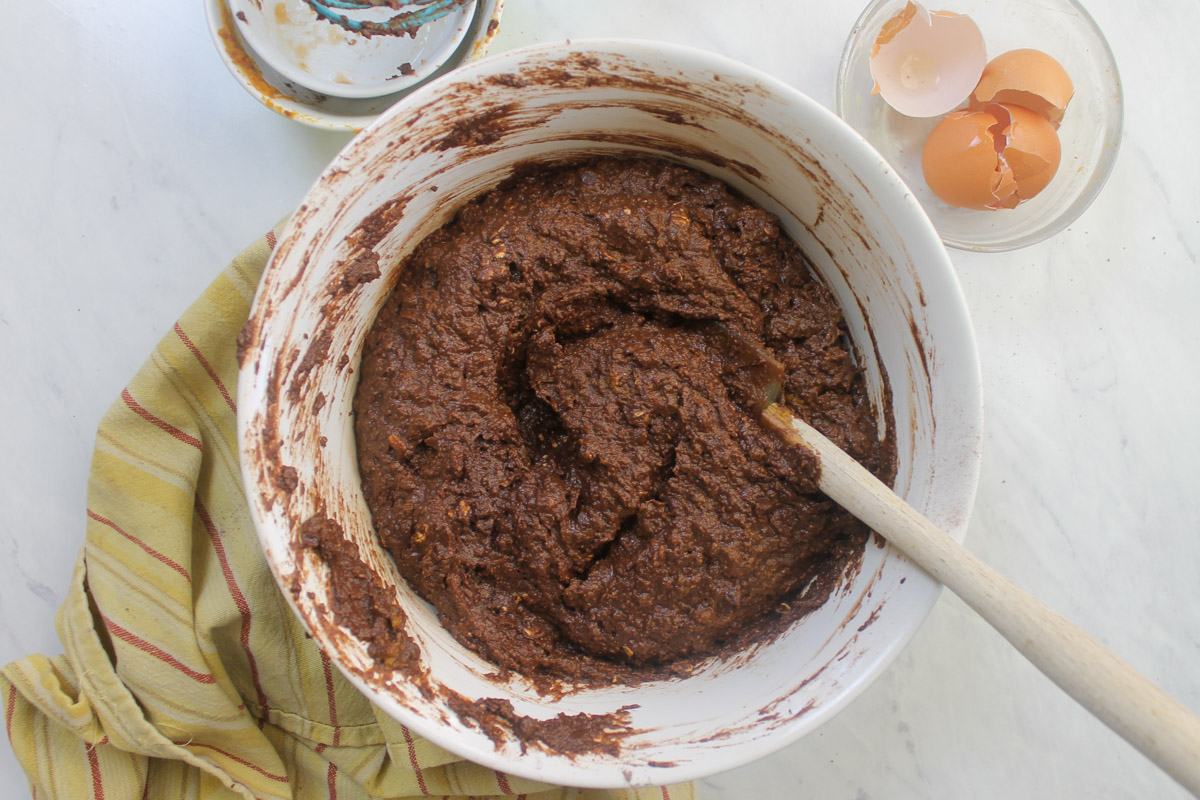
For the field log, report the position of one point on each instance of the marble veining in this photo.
(134, 168)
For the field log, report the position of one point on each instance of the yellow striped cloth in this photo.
(185, 674)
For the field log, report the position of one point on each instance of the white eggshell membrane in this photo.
(926, 63)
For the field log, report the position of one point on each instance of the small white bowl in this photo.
(340, 110)
(453, 139)
(1090, 133)
(312, 52)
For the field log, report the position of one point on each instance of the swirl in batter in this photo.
(548, 446)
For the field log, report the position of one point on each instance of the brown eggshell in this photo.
(960, 162)
(1030, 147)
(1028, 78)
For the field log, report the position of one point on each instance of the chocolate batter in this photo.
(549, 447)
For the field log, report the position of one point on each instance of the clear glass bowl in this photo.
(1090, 131)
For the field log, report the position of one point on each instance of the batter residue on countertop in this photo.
(547, 445)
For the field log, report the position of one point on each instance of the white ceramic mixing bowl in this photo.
(406, 175)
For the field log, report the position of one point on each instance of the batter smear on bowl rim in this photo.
(547, 440)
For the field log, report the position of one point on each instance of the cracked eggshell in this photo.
(926, 63)
(991, 158)
(960, 162)
(1030, 148)
(1028, 78)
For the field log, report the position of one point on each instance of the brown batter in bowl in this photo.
(547, 444)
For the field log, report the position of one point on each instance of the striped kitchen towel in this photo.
(185, 674)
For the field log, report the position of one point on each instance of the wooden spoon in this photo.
(1124, 699)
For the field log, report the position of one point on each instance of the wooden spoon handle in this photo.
(1123, 698)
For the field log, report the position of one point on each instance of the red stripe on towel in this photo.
(133, 640)
(183, 337)
(150, 550)
(412, 758)
(239, 600)
(158, 422)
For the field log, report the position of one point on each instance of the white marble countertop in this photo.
(134, 168)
